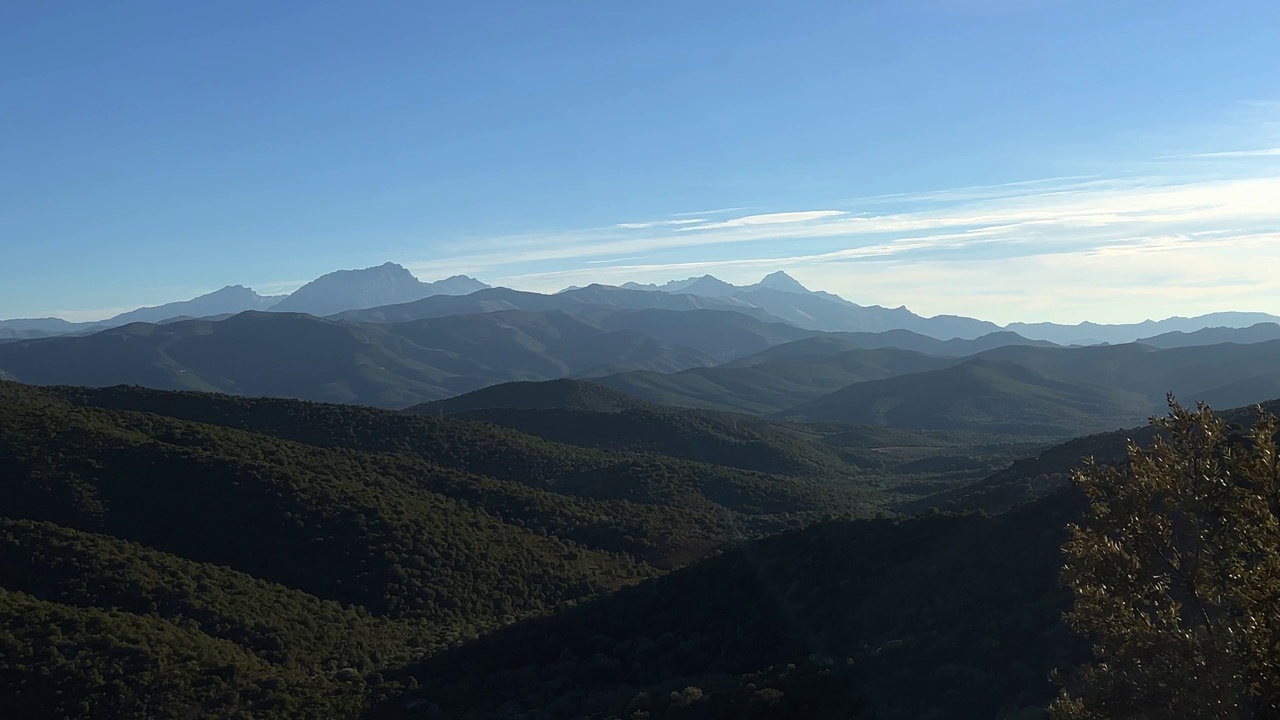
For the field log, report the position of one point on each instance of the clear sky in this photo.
(1006, 159)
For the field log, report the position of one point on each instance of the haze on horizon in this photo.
(1037, 160)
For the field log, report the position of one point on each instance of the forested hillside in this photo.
(188, 554)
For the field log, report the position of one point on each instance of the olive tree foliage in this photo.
(1175, 570)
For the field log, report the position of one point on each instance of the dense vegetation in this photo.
(1176, 575)
(172, 554)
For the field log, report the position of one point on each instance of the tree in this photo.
(1176, 574)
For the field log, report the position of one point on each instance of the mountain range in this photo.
(333, 293)
(390, 293)
(712, 360)
(388, 340)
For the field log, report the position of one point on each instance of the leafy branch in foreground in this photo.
(1176, 575)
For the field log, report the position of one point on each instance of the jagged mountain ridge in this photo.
(386, 284)
(389, 292)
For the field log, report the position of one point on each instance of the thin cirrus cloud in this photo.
(1119, 250)
(1265, 152)
(1258, 153)
(698, 213)
(658, 223)
(1137, 239)
(780, 218)
(1078, 213)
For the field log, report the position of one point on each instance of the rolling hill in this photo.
(565, 394)
(773, 385)
(404, 549)
(1188, 372)
(586, 414)
(979, 394)
(1260, 332)
(835, 343)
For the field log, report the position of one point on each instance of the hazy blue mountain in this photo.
(829, 344)
(711, 286)
(23, 328)
(300, 356)
(1261, 332)
(706, 286)
(1188, 372)
(220, 303)
(231, 299)
(49, 324)
(481, 301)
(1088, 333)
(570, 301)
(829, 313)
(785, 298)
(386, 284)
(723, 334)
(11, 334)
(781, 281)
(640, 300)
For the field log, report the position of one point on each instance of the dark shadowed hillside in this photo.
(565, 394)
(871, 619)
(134, 523)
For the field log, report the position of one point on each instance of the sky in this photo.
(1012, 160)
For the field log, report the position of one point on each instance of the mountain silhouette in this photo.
(386, 284)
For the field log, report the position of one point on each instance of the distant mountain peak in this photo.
(709, 286)
(386, 284)
(780, 280)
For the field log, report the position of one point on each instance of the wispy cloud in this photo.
(1149, 238)
(659, 223)
(615, 260)
(717, 211)
(780, 218)
(1262, 152)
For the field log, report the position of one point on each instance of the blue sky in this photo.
(1005, 159)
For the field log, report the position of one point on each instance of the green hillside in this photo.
(189, 554)
(134, 525)
(940, 616)
(666, 506)
(979, 394)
